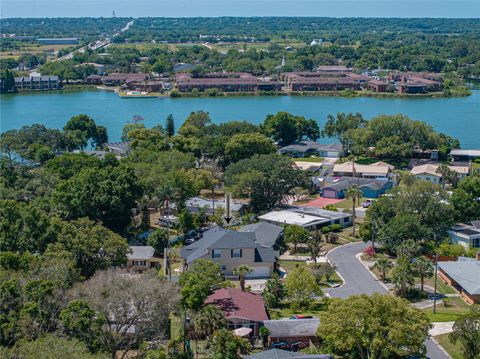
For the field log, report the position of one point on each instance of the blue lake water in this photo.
(458, 117)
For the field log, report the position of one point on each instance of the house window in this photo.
(236, 253)
(224, 267)
(216, 253)
(346, 219)
(337, 221)
(139, 263)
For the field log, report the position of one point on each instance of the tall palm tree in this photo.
(242, 271)
(383, 265)
(402, 277)
(423, 268)
(208, 320)
(448, 176)
(165, 195)
(354, 193)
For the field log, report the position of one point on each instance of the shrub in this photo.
(336, 227)
(326, 229)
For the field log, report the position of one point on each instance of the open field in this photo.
(32, 49)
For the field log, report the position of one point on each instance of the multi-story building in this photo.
(37, 83)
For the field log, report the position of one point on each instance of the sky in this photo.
(191, 8)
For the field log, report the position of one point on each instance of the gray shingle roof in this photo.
(266, 234)
(346, 182)
(465, 273)
(220, 238)
(141, 252)
(306, 146)
(292, 327)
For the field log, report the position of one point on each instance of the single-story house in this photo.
(118, 148)
(285, 354)
(266, 234)
(459, 155)
(307, 217)
(464, 276)
(195, 204)
(428, 172)
(241, 309)
(292, 330)
(309, 148)
(351, 169)
(230, 249)
(141, 258)
(370, 187)
(466, 234)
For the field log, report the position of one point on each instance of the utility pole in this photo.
(228, 216)
(435, 290)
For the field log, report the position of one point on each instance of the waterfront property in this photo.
(459, 155)
(307, 217)
(36, 82)
(310, 148)
(466, 234)
(323, 81)
(429, 172)
(241, 309)
(230, 249)
(464, 276)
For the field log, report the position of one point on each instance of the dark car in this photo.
(298, 345)
(280, 345)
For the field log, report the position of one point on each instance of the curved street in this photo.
(358, 280)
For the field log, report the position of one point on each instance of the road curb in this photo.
(371, 273)
(333, 265)
(440, 347)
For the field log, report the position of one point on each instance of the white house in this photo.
(466, 234)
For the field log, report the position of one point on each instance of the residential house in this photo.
(351, 169)
(464, 276)
(230, 249)
(266, 234)
(370, 187)
(36, 82)
(466, 234)
(141, 258)
(308, 217)
(121, 149)
(285, 354)
(195, 204)
(459, 155)
(428, 172)
(241, 309)
(292, 330)
(309, 148)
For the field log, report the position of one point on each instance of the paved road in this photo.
(358, 280)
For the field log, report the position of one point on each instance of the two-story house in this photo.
(230, 249)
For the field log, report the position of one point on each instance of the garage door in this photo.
(259, 272)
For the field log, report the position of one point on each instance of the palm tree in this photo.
(423, 268)
(165, 195)
(332, 237)
(383, 265)
(402, 276)
(353, 193)
(448, 176)
(242, 271)
(315, 244)
(208, 320)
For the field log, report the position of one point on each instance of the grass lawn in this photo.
(455, 350)
(291, 265)
(309, 159)
(285, 311)
(455, 309)
(347, 203)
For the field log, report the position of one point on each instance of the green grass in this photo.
(455, 350)
(285, 311)
(455, 309)
(175, 326)
(347, 203)
(309, 159)
(291, 265)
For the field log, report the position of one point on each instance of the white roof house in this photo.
(374, 170)
(429, 172)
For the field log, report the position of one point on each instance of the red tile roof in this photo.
(237, 304)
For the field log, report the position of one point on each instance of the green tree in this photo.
(81, 127)
(354, 193)
(242, 271)
(245, 145)
(373, 327)
(422, 268)
(465, 199)
(466, 332)
(208, 320)
(226, 345)
(295, 235)
(274, 291)
(448, 175)
(315, 244)
(266, 179)
(92, 246)
(402, 276)
(198, 281)
(286, 128)
(383, 265)
(170, 126)
(301, 287)
(130, 127)
(8, 81)
(185, 221)
(340, 126)
(158, 239)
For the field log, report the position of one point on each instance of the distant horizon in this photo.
(443, 9)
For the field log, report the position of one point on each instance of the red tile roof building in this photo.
(242, 309)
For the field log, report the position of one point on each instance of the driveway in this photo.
(358, 280)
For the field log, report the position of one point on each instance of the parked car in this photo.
(367, 203)
(298, 345)
(280, 345)
(299, 316)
